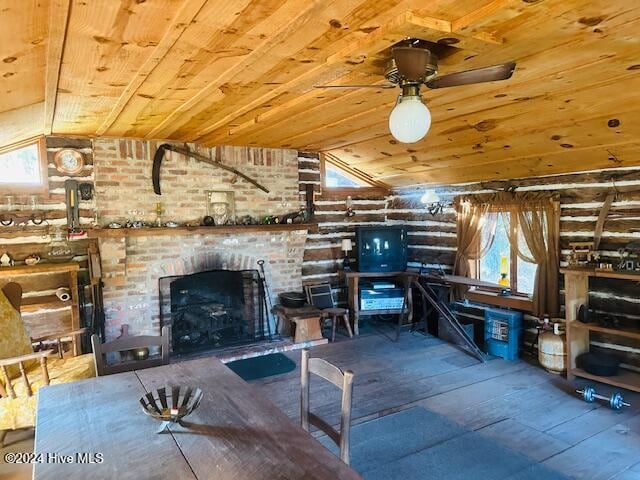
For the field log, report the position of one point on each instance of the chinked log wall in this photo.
(22, 241)
(432, 238)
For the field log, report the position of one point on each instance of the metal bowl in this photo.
(171, 404)
(292, 299)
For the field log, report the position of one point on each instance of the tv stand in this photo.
(353, 282)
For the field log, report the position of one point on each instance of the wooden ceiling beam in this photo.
(574, 74)
(380, 38)
(283, 29)
(59, 11)
(591, 158)
(407, 24)
(182, 19)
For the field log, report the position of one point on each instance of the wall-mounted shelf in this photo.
(576, 284)
(167, 231)
(600, 273)
(47, 302)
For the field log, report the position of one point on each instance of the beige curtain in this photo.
(476, 229)
(536, 217)
(538, 222)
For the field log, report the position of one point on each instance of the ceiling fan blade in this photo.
(354, 86)
(478, 75)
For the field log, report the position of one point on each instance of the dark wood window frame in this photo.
(372, 187)
(22, 188)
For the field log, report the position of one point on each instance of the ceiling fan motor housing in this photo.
(411, 65)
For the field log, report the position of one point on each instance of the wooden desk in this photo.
(236, 433)
(353, 281)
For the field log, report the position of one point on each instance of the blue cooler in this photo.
(502, 329)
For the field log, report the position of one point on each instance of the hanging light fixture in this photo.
(410, 119)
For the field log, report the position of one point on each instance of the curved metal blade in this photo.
(478, 75)
(355, 86)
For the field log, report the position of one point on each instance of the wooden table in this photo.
(236, 433)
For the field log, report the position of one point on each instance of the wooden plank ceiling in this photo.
(242, 72)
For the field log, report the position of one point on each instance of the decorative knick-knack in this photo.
(32, 259)
(6, 260)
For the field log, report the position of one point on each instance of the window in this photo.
(336, 177)
(23, 168)
(501, 263)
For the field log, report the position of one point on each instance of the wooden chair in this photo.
(342, 380)
(125, 344)
(321, 297)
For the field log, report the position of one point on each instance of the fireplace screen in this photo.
(213, 309)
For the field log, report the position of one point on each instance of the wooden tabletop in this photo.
(236, 433)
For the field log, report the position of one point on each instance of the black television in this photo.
(381, 249)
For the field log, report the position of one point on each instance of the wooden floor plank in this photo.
(604, 455)
(513, 434)
(516, 404)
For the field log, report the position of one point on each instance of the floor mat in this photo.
(417, 443)
(262, 366)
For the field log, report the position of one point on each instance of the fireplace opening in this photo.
(213, 309)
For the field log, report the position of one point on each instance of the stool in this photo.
(334, 314)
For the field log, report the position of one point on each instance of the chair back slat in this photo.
(342, 380)
(321, 424)
(326, 370)
(320, 295)
(130, 343)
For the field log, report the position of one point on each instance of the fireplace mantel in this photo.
(167, 231)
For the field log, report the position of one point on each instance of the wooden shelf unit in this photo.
(576, 286)
(166, 231)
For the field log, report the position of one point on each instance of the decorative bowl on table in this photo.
(171, 404)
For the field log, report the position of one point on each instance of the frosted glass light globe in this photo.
(410, 120)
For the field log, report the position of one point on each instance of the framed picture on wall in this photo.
(221, 207)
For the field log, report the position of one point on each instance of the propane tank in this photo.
(552, 351)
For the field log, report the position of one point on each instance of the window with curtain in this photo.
(511, 239)
(501, 263)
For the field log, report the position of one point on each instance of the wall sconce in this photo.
(347, 246)
(349, 204)
(431, 200)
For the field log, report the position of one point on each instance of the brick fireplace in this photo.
(133, 265)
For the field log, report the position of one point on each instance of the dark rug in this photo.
(417, 443)
(262, 366)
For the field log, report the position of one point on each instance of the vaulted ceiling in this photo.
(243, 72)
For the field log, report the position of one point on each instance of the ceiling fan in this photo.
(412, 65)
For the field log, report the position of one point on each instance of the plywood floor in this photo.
(514, 403)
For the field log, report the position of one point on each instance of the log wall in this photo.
(48, 240)
(582, 196)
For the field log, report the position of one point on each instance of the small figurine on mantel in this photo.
(32, 259)
(6, 260)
